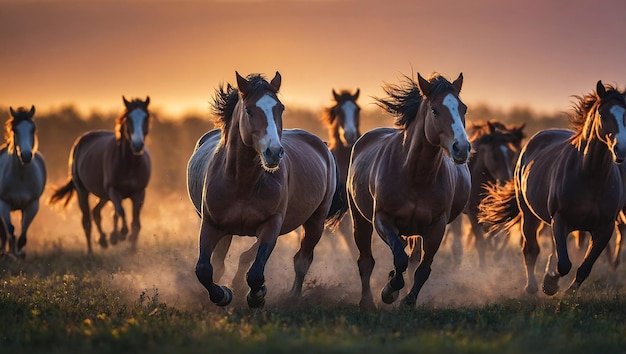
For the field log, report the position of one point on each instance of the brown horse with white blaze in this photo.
(112, 165)
(252, 178)
(571, 180)
(411, 180)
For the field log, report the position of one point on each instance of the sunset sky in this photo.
(535, 53)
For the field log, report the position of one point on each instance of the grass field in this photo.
(57, 300)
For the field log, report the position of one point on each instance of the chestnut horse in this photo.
(22, 177)
(411, 180)
(252, 178)
(112, 166)
(495, 148)
(570, 180)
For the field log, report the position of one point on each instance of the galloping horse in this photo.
(112, 166)
(570, 180)
(22, 177)
(342, 121)
(495, 148)
(411, 180)
(252, 178)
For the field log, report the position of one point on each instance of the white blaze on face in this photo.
(137, 116)
(618, 113)
(457, 123)
(349, 111)
(266, 104)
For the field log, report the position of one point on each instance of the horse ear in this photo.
(31, 113)
(600, 89)
(458, 82)
(12, 111)
(276, 81)
(242, 83)
(423, 85)
(492, 128)
(335, 95)
(126, 103)
(147, 101)
(356, 94)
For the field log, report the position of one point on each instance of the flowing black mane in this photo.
(226, 98)
(329, 116)
(584, 106)
(403, 102)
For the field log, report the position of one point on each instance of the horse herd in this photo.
(409, 183)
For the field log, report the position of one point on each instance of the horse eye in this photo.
(435, 112)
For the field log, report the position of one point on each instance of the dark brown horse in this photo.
(342, 122)
(252, 178)
(495, 148)
(570, 180)
(112, 165)
(412, 180)
(22, 177)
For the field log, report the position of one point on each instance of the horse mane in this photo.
(121, 119)
(21, 114)
(494, 131)
(403, 102)
(226, 98)
(328, 115)
(584, 105)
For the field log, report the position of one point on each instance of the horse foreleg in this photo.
(616, 254)
(97, 219)
(599, 239)
(5, 215)
(137, 200)
(431, 240)
(209, 237)
(116, 199)
(313, 229)
(363, 229)
(390, 234)
(267, 235)
(564, 265)
(28, 214)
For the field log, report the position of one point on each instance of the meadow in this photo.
(57, 300)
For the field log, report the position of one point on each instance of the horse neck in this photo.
(422, 158)
(596, 155)
(334, 140)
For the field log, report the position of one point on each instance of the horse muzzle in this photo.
(272, 157)
(460, 152)
(137, 147)
(26, 157)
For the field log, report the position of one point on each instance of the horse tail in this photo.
(339, 205)
(499, 208)
(66, 191)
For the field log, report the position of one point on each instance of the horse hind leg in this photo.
(530, 248)
(267, 236)
(245, 260)
(563, 264)
(7, 235)
(83, 203)
(391, 236)
(363, 229)
(97, 218)
(312, 232)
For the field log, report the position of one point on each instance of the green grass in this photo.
(58, 301)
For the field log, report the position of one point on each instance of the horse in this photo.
(113, 166)
(249, 177)
(22, 177)
(495, 148)
(571, 180)
(342, 122)
(408, 180)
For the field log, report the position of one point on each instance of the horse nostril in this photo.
(455, 147)
(281, 152)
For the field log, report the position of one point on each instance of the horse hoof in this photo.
(551, 284)
(257, 300)
(21, 255)
(367, 305)
(389, 295)
(103, 242)
(226, 298)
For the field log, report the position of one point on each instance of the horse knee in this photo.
(204, 273)
(255, 279)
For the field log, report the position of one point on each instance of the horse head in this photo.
(611, 109)
(260, 115)
(445, 116)
(20, 134)
(134, 123)
(346, 116)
